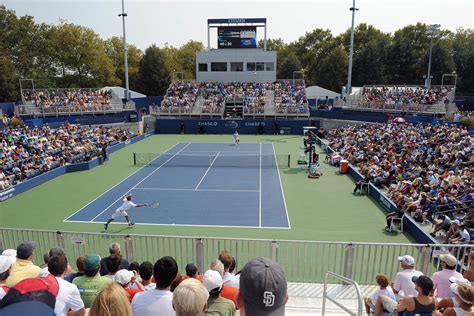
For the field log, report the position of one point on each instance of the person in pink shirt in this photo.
(403, 280)
(441, 278)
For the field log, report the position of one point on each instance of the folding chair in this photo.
(398, 220)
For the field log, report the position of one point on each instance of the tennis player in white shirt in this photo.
(236, 137)
(122, 210)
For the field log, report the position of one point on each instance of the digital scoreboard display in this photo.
(237, 37)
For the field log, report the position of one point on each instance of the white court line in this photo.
(200, 190)
(151, 173)
(197, 186)
(114, 186)
(281, 188)
(185, 225)
(221, 151)
(260, 189)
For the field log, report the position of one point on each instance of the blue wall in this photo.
(55, 122)
(143, 103)
(192, 126)
(7, 108)
(45, 177)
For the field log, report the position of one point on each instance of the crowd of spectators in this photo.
(180, 97)
(26, 152)
(426, 169)
(136, 289)
(69, 99)
(400, 95)
(290, 99)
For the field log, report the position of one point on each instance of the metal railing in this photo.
(347, 282)
(303, 261)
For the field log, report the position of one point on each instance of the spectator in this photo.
(23, 268)
(229, 279)
(190, 298)
(146, 274)
(192, 272)
(422, 303)
(404, 285)
(451, 302)
(227, 292)
(464, 296)
(5, 269)
(125, 278)
(263, 288)
(91, 282)
(80, 269)
(216, 304)
(177, 280)
(27, 308)
(469, 273)
(158, 302)
(383, 289)
(111, 301)
(441, 283)
(114, 249)
(68, 295)
(112, 263)
(41, 289)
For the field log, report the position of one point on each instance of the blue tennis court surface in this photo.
(200, 184)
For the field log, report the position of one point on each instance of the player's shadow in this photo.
(118, 231)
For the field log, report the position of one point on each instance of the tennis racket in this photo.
(154, 205)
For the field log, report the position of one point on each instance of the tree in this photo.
(8, 80)
(288, 62)
(154, 75)
(463, 55)
(332, 74)
(186, 58)
(114, 50)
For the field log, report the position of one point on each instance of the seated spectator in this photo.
(404, 285)
(125, 278)
(68, 297)
(229, 279)
(227, 291)
(423, 302)
(145, 271)
(27, 308)
(190, 298)
(441, 283)
(80, 269)
(91, 282)
(384, 289)
(469, 273)
(464, 296)
(463, 238)
(114, 249)
(192, 272)
(5, 269)
(23, 267)
(159, 300)
(112, 263)
(216, 304)
(263, 288)
(111, 301)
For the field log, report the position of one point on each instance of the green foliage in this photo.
(16, 121)
(467, 121)
(154, 75)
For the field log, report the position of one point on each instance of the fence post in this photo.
(274, 248)
(129, 248)
(60, 239)
(200, 255)
(426, 259)
(348, 260)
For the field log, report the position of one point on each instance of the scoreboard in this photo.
(237, 37)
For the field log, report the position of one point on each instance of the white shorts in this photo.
(119, 213)
(388, 304)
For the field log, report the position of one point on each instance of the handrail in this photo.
(346, 280)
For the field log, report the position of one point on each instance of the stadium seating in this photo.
(62, 99)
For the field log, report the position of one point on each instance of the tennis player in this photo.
(122, 211)
(236, 137)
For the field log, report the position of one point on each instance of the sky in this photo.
(174, 23)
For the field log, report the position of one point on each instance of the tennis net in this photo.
(216, 160)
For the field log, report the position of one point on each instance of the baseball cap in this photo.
(263, 287)
(6, 262)
(9, 252)
(464, 292)
(424, 282)
(25, 249)
(191, 269)
(449, 259)
(212, 280)
(123, 276)
(92, 262)
(457, 222)
(407, 259)
(48, 283)
(459, 281)
(56, 251)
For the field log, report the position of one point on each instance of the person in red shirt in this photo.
(125, 278)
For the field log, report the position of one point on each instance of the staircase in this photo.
(197, 109)
(269, 108)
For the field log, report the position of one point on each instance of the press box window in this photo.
(218, 66)
(202, 67)
(250, 66)
(269, 66)
(236, 66)
(260, 66)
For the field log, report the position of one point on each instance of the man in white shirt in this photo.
(68, 296)
(403, 279)
(121, 211)
(441, 283)
(230, 279)
(159, 301)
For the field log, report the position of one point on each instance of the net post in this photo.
(289, 160)
(134, 159)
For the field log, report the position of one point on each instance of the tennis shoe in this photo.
(131, 224)
(106, 226)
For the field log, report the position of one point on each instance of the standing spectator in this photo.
(216, 304)
(263, 288)
(229, 279)
(440, 279)
(125, 278)
(68, 295)
(5, 268)
(91, 282)
(404, 285)
(146, 274)
(114, 249)
(111, 301)
(80, 269)
(158, 302)
(23, 268)
(190, 298)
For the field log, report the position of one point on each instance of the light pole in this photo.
(351, 51)
(433, 29)
(125, 51)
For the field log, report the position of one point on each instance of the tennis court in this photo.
(200, 184)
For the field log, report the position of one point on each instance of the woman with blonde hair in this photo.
(112, 300)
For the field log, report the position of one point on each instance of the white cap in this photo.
(459, 281)
(6, 262)
(9, 252)
(212, 280)
(408, 260)
(123, 276)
